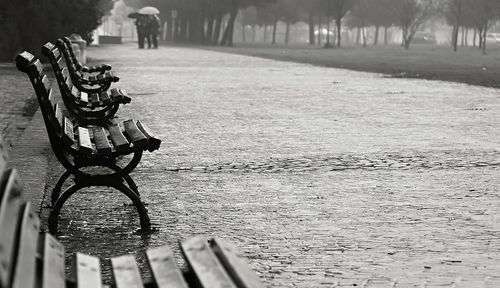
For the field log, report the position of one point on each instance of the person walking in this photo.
(142, 30)
(154, 30)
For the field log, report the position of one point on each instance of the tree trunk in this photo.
(274, 31)
(386, 40)
(338, 22)
(375, 39)
(454, 38)
(467, 37)
(227, 38)
(312, 39)
(463, 37)
(265, 33)
(217, 29)
(327, 45)
(287, 33)
(485, 29)
(243, 34)
(474, 38)
(210, 29)
(319, 31)
(364, 36)
(358, 35)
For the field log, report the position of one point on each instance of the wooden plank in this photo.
(25, 270)
(68, 135)
(125, 272)
(84, 143)
(87, 271)
(134, 134)
(104, 97)
(53, 275)
(60, 63)
(236, 267)
(94, 99)
(101, 141)
(46, 83)
(205, 265)
(117, 137)
(154, 141)
(3, 161)
(9, 212)
(84, 97)
(69, 84)
(59, 116)
(65, 73)
(165, 272)
(116, 95)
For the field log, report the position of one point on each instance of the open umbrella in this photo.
(149, 10)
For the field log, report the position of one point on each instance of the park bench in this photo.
(84, 81)
(29, 259)
(100, 68)
(87, 108)
(77, 147)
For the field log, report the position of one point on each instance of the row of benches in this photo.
(84, 132)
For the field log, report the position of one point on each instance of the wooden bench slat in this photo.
(84, 97)
(87, 271)
(134, 134)
(94, 99)
(154, 141)
(68, 135)
(117, 137)
(3, 161)
(25, 270)
(239, 271)
(104, 97)
(165, 272)
(205, 265)
(125, 272)
(84, 142)
(53, 275)
(116, 95)
(60, 63)
(101, 141)
(59, 116)
(9, 212)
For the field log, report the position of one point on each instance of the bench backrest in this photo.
(71, 52)
(74, 71)
(59, 127)
(53, 53)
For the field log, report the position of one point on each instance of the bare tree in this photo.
(340, 9)
(483, 13)
(411, 15)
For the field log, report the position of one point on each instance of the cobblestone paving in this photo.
(324, 177)
(17, 103)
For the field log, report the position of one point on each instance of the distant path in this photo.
(324, 177)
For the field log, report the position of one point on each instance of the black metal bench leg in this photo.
(141, 209)
(131, 183)
(57, 189)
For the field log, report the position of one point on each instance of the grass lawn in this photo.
(435, 62)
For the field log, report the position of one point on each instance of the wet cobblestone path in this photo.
(324, 177)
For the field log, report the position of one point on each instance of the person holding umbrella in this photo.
(148, 24)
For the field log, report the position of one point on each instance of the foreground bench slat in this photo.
(134, 134)
(25, 270)
(125, 272)
(101, 141)
(9, 212)
(239, 271)
(207, 268)
(53, 275)
(87, 271)
(118, 138)
(165, 272)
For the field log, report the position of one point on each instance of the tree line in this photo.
(28, 24)
(212, 21)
